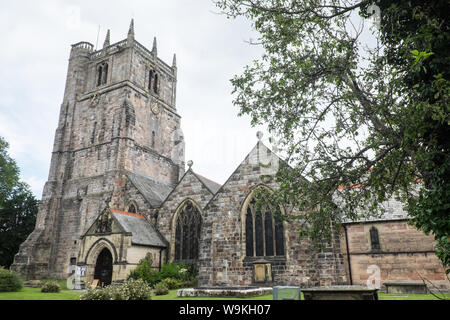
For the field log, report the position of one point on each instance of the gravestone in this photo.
(286, 293)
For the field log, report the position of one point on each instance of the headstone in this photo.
(286, 293)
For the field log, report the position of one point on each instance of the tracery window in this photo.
(187, 232)
(102, 73)
(263, 230)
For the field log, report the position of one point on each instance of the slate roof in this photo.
(211, 185)
(154, 191)
(141, 230)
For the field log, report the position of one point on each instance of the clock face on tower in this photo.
(155, 108)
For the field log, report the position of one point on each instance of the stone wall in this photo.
(102, 131)
(222, 248)
(189, 187)
(405, 253)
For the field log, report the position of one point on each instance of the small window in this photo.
(155, 84)
(132, 208)
(73, 261)
(153, 139)
(374, 239)
(151, 75)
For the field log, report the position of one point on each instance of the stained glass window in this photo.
(187, 232)
(263, 231)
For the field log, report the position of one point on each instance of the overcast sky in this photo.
(210, 49)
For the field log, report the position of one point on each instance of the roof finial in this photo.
(107, 40)
(174, 61)
(130, 37)
(154, 49)
(190, 163)
(259, 135)
(131, 29)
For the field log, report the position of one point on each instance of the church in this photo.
(118, 189)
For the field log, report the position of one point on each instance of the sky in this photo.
(210, 49)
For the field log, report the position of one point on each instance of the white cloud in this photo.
(210, 50)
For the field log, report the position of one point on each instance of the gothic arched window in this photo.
(153, 81)
(132, 208)
(263, 230)
(155, 84)
(374, 239)
(187, 232)
(102, 73)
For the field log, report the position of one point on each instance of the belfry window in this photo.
(187, 232)
(153, 81)
(374, 239)
(102, 73)
(263, 230)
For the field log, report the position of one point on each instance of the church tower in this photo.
(118, 118)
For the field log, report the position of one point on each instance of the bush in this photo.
(9, 281)
(145, 271)
(51, 286)
(129, 290)
(171, 283)
(160, 289)
(135, 290)
(106, 293)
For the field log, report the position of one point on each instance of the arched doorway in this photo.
(103, 268)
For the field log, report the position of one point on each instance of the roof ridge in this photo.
(138, 215)
(198, 174)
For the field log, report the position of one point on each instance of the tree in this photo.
(18, 208)
(359, 122)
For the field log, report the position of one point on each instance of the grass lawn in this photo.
(65, 294)
(36, 294)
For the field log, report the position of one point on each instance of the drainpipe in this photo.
(348, 255)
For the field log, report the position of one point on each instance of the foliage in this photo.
(172, 275)
(171, 283)
(130, 290)
(18, 208)
(135, 290)
(145, 271)
(50, 286)
(359, 122)
(160, 289)
(9, 281)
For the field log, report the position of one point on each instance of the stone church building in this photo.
(118, 189)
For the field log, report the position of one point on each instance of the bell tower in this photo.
(118, 116)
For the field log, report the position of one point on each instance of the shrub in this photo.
(51, 286)
(129, 290)
(145, 271)
(106, 293)
(9, 281)
(170, 270)
(171, 283)
(135, 290)
(160, 289)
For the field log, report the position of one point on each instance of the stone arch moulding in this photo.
(173, 223)
(244, 207)
(97, 247)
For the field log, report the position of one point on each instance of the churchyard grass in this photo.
(65, 294)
